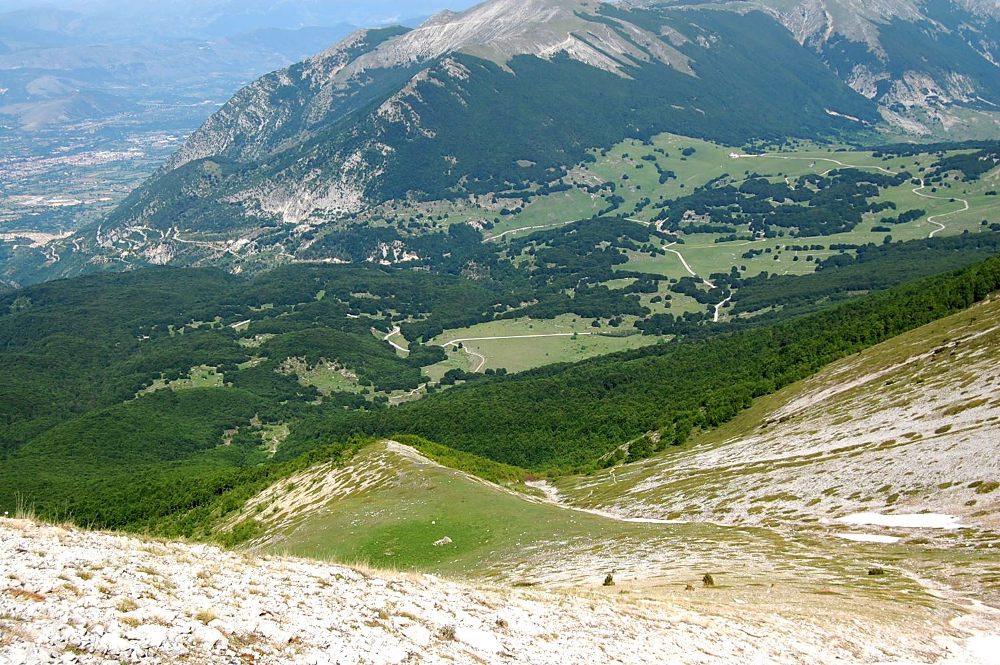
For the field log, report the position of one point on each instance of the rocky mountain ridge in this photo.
(915, 94)
(497, 31)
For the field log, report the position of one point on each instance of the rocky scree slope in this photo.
(84, 597)
(909, 425)
(895, 445)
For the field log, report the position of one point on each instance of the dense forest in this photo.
(813, 205)
(567, 418)
(870, 268)
(69, 347)
(173, 461)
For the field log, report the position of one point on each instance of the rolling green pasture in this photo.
(523, 353)
(637, 178)
(328, 378)
(549, 210)
(501, 535)
(396, 526)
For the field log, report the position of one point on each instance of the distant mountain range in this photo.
(59, 68)
(510, 94)
(108, 56)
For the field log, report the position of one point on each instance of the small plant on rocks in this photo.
(205, 616)
(126, 605)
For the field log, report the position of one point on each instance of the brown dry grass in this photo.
(127, 605)
(206, 616)
(23, 594)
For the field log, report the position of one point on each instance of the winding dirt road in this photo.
(707, 282)
(933, 218)
(388, 338)
(405, 397)
(718, 308)
(478, 356)
(551, 496)
(684, 261)
(527, 228)
(818, 159)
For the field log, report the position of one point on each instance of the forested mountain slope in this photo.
(156, 422)
(433, 114)
(582, 413)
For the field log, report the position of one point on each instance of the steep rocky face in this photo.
(921, 60)
(281, 106)
(817, 21)
(503, 29)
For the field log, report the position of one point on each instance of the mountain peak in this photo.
(819, 21)
(500, 30)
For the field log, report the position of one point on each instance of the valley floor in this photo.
(85, 597)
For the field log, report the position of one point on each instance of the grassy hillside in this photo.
(390, 506)
(668, 167)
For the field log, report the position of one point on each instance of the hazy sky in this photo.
(347, 10)
(128, 19)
